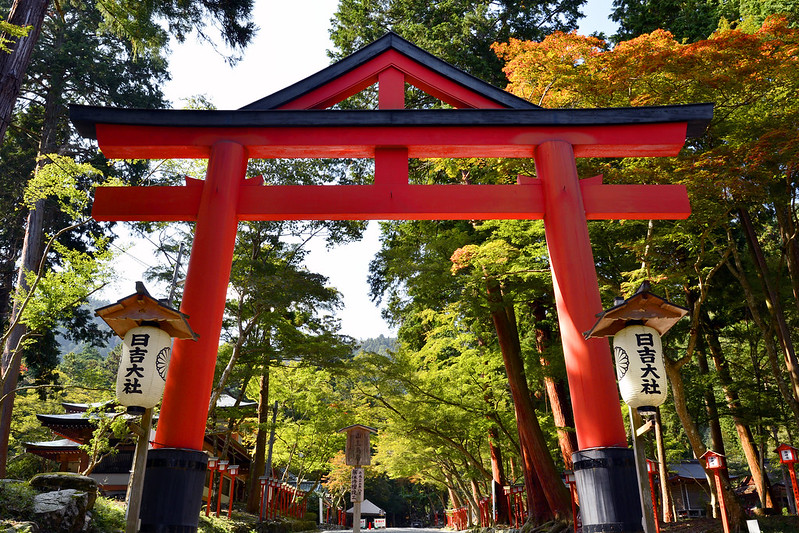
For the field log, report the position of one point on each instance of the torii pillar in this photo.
(497, 126)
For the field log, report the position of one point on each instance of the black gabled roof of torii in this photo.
(269, 111)
(389, 41)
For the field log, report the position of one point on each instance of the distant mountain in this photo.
(381, 344)
(67, 345)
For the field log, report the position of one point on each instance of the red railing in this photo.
(486, 508)
(458, 519)
(517, 508)
(281, 499)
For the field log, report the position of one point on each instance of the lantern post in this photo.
(357, 453)
(636, 325)
(571, 482)
(716, 463)
(788, 457)
(147, 328)
(651, 469)
(221, 466)
(212, 461)
(234, 471)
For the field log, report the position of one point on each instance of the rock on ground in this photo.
(62, 511)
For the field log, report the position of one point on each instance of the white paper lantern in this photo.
(142, 368)
(639, 367)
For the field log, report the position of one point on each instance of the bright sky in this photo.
(291, 45)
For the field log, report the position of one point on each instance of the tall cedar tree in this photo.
(140, 23)
(64, 68)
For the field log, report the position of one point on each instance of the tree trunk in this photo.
(787, 225)
(716, 438)
(31, 257)
(531, 438)
(471, 504)
(772, 303)
(734, 508)
(477, 497)
(538, 510)
(663, 474)
(768, 341)
(556, 392)
(498, 479)
(33, 243)
(748, 444)
(259, 455)
(13, 66)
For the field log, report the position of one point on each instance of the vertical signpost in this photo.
(716, 463)
(789, 456)
(357, 453)
(356, 497)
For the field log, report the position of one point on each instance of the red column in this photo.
(793, 484)
(725, 522)
(654, 501)
(191, 370)
(592, 382)
(210, 490)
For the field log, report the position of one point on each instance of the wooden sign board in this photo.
(357, 451)
(356, 486)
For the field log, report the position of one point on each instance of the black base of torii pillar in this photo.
(608, 490)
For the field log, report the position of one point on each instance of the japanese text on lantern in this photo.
(134, 373)
(645, 343)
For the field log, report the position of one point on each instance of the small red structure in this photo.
(789, 456)
(715, 462)
(652, 470)
(212, 463)
(487, 122)
(571, 481)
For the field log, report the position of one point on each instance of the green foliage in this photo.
(458, 31)
(57, 177)
(107, 516)
(688, 21)
(88, 368)
(16, 500)
(111, 429)
(139, 22)
(8, 34)
(28, 428)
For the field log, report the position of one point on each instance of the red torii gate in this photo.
(294, 123)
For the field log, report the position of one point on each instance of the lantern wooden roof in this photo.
(643, 306)
(131, 311)
(711, 454)
(357, 426)
(793, 452)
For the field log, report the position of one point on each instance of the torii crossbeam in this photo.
(290, 124)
